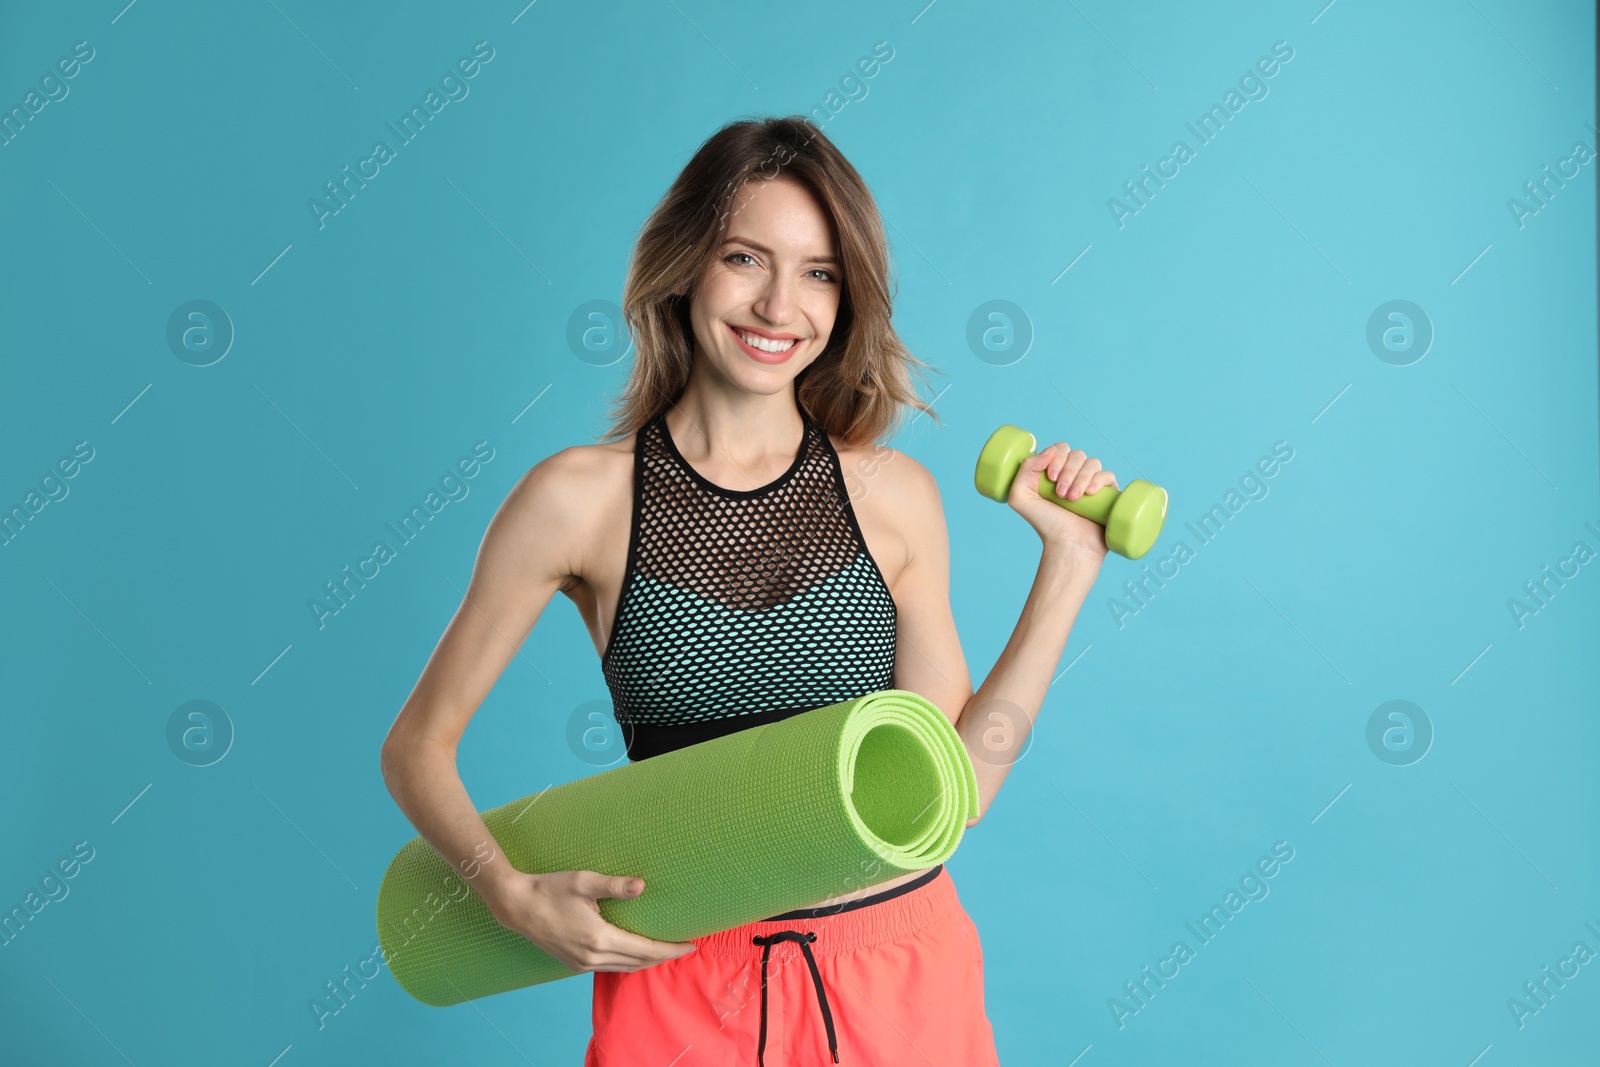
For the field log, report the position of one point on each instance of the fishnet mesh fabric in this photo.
(743, 602)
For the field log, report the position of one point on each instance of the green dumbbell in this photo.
(1132, 516)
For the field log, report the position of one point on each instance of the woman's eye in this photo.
(827, 275)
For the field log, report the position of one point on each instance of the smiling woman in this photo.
(749, 593)
(745, 587)
(849, 368)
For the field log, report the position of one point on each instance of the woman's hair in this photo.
(857, 387)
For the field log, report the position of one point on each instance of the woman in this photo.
(712, 559)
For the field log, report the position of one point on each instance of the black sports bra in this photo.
(742, 607)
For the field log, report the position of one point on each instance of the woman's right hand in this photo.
(558, 913)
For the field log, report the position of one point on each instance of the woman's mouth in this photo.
(771, 351)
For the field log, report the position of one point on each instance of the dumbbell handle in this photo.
(1132, 516)
(1096, 505)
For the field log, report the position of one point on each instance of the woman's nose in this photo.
(776, 302)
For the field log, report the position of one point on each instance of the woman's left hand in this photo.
(1075, 474)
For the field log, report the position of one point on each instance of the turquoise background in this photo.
(1229, 314)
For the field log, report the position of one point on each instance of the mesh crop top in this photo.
(742, 607)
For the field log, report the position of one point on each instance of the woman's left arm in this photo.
(994, 722)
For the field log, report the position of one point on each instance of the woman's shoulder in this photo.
(895, 499)
(871, 464)
(599, 458)
(579, 486)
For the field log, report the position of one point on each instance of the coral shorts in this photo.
(896, 981)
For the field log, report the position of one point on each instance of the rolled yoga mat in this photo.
(731, 830)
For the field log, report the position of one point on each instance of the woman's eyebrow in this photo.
(767, 251)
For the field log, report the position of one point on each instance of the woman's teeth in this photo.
(766, 344)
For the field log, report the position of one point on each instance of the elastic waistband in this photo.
(859, 902)
(846, 931)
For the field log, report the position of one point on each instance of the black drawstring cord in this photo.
(804, 940)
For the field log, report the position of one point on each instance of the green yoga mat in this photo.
(725, 832)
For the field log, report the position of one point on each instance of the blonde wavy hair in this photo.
(859, 386)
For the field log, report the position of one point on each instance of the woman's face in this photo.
(776, 276)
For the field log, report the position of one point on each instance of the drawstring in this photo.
(805, 940)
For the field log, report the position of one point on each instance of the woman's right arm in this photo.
(531, 550)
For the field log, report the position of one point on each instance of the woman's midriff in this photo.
(871, 890)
